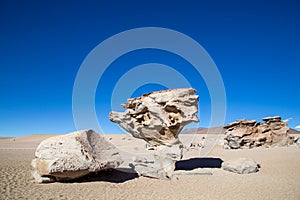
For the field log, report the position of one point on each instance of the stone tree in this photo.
(158, 118)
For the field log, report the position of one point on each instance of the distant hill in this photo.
(219, 130)
(293, 131)
(5, 138)
(214, 130)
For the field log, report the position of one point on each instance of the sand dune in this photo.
(278, 178)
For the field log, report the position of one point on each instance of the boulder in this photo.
(73, 155)
(158, 118)
(241, 166)
(249, 133)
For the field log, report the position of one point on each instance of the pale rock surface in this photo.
(73, 155)
(249, 133)
(241, 166)
(160, 164)
(158, 118)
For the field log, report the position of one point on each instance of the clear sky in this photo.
(255, 45)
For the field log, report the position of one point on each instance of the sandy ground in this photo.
(279, 177)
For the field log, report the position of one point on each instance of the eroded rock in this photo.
(249, 133)
(158, 118)
(73, 155)
(160, 164)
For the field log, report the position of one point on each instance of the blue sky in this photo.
(255, 45)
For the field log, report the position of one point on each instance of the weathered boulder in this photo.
(241, 166)
(160, 164)
(158, 118)
(249, 133)
(73, 155)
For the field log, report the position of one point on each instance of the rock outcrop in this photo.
(73, 155)
(249, 133)
(158, 118)
(241, 166)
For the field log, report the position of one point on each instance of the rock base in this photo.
(160, 164)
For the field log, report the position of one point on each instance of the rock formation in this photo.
(73, 155)
(249, 133)
(241, 166)
(158, 118)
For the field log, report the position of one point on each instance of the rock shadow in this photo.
(119, 175)
(194, 163)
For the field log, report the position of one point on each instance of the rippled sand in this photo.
(279, 177)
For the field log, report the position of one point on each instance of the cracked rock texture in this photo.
(249, 133)
(158, 117)
(73, 155)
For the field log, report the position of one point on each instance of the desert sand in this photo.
(278, 178)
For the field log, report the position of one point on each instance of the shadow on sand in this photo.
(122, 175)
(119, 175)
(195, 163)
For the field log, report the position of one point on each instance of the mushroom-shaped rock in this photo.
(73, 155)
(158, 117)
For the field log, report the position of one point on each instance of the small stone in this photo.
(241, 166)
